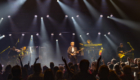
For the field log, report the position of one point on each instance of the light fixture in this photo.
(9, 16)
(60, 34)
(35, 15)
(10, 34)
(47, 16)
(108, 33)
(37, 34)
(73, 33)
(23, 34)
(77, 15)
(66, 16)
(101, 15)
(99, 33)
(52, 34)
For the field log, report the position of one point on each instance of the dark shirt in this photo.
(12, 53)
(120, 49)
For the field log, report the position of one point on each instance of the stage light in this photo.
(57, 0)
(10, 34)
(52, 34)
(3, 36)
(87, 33)
(108, 17)
(35, 15)
(41, 17)
(37, 34)
(101, 15)
(80, 35)
(104, 34)
(60, 34)
(47, 16)
(56, 39)
(71, 17)
(111, 15)
(108, 33)
(77, 15)
(99, 33)
(9, 16)
(73, 34)
(66, 16)
(31, 35)
(2, 18)
(23, 34)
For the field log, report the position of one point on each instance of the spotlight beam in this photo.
(1, 37)
(128, 23)
(92, 10)
(78, 29)
(119, 10)
(112, 43)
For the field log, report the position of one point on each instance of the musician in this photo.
(71, 51)
(13, 55)
(121, 49)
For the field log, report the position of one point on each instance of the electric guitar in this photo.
(75, 53)
(121, 54)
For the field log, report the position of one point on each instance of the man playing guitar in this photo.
(72, 52)
(121, 52)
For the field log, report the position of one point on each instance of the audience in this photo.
(37, 75)
(48, 75)
(117, 69)
(127, 73)
(16, 73)
(84, 74)
(113, 75)
(82, 71)
(103, 73)
(1, 77)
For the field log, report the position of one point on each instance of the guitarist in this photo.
(71, 53)
(122, 50)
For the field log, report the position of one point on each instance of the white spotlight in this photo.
(73, 34)
(80, 35)
(52, 34)
(37, 34)
(56, 39)
(87, 33)
(71, 17)
(47, 16)
(35, 15)
(66, 16)
(31, 35)
(77, 15)
(108, 17)
(60, 34)
(57, 0)
(9, 16)
(101, 15)
(10, 34)
(99, 33)
(41, 17)
(111, 15)
(2, 18)
(104, 34)
(3, 36)
(108, 33)
(23, 34)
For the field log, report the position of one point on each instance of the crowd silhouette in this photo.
(98, 70)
